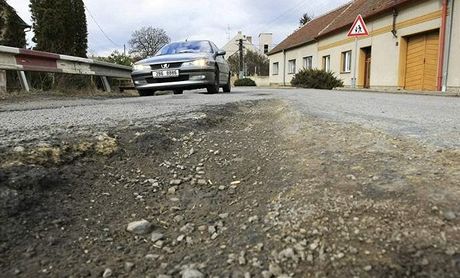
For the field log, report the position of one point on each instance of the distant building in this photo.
(412, 45)
(265, 42)
(12, 27)
(232, 47)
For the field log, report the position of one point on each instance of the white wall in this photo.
(261, 81)
(277, 58)
(296, 54)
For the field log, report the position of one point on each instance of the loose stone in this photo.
(141, 227)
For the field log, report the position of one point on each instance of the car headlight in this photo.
(198, 63)
(141, 67)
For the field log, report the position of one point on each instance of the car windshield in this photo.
(186, 47)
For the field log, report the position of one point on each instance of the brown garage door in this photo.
(422, 61)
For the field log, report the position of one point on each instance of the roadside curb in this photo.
(401, 92)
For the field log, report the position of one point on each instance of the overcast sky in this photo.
(190, 19)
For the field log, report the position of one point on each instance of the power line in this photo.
(296, 6)
(99, 26)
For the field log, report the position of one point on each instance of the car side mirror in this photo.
(221, 53)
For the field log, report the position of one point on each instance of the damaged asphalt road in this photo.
(262, 183)
(428, 119)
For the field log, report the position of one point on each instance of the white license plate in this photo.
(165, 73)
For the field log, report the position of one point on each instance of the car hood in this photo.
(182, 57)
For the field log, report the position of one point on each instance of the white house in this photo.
(232, 46)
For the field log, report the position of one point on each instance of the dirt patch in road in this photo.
(252, 189)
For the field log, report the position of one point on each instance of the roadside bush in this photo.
(246, 82)
(316, 79)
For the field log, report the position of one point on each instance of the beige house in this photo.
(413, 45)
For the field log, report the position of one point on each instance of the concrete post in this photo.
(355, 64)
(23, 80)
(2, 81)
(241, 49)
(106, 84)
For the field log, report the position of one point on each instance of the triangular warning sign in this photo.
(359, 28)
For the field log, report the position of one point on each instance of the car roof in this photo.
(192, 41)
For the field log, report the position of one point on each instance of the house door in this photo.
(367, 67)
(422, 62)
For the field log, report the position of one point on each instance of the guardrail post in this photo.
(2, 81)
(106, 84)
(23, 80)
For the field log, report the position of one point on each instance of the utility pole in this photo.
(241, 59)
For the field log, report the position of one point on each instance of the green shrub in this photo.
(316, 79)
(246, 82)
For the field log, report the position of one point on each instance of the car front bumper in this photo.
(187, 79)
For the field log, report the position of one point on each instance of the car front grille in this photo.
(152, 80)
(171, 66)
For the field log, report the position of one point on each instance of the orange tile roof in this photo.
(309, 31)
(336, 20)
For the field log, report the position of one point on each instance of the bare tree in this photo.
(305, 19)
(146, 42)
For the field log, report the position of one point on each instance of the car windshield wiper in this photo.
(186, 51)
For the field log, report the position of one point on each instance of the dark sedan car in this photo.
(183, 66)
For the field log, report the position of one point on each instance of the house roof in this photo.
(336, 20)
(12, 11)
(309, 31)
(21, 22)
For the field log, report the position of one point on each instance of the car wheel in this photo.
(214, 88)
(228, 86)
(146, 93)
(178, 92)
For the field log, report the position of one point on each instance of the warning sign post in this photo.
(358, 29)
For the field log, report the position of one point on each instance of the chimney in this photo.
(249, 38)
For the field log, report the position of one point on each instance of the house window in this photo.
(265, 48)
(308, 62)
(275, 68)
(291, 67)
(346, 62)
(327, 63)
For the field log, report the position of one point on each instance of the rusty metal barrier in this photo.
(24, 60)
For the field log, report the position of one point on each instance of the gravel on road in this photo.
(248, 189)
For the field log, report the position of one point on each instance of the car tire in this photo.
(146, 93)
(178, 92)
(228, 87)
(214, 89)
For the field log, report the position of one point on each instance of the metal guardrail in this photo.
(23, 60)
